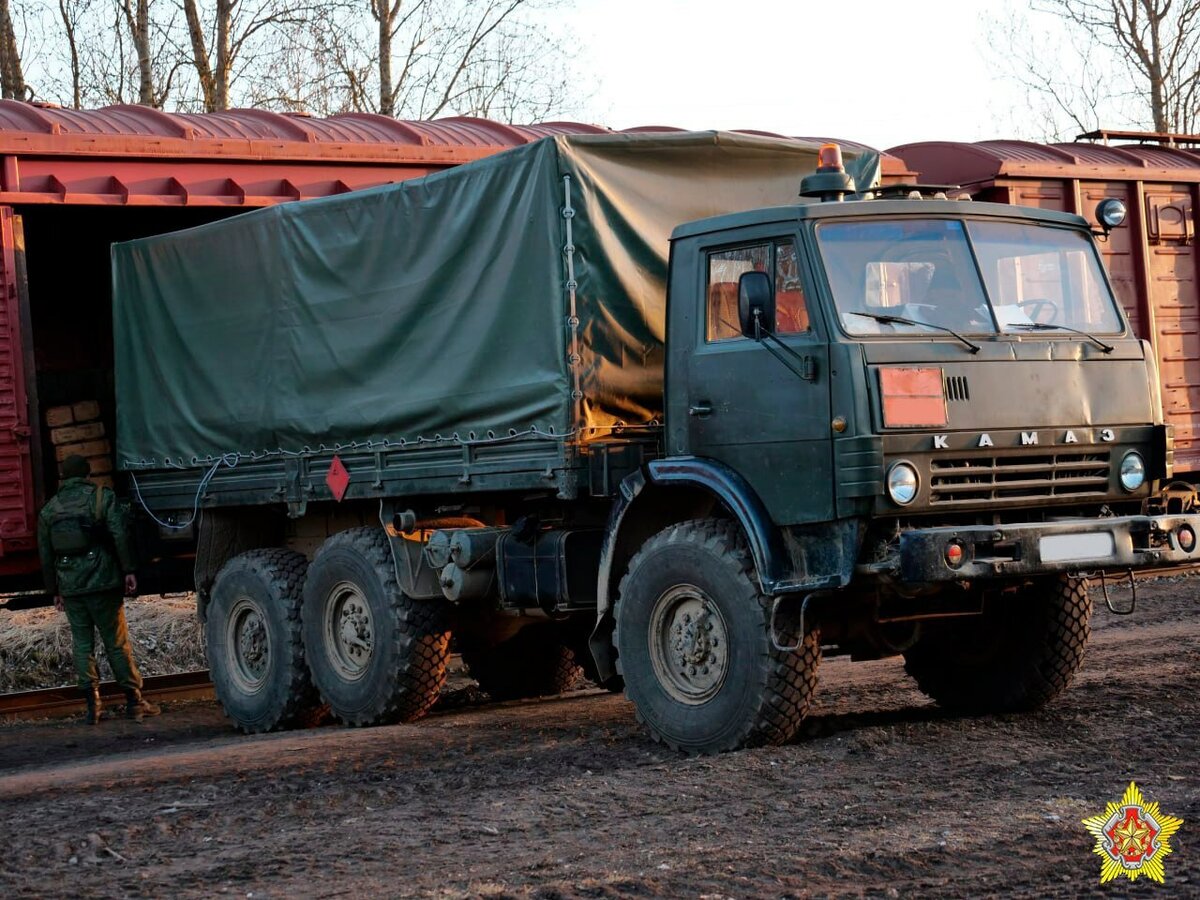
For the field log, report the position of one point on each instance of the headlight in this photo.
(1110, 213)
(902, 483)
(1133, 471)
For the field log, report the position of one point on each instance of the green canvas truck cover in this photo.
(436, 309)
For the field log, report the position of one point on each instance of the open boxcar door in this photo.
(18, 496)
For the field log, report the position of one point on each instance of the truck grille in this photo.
(972, 479)
(957, 388)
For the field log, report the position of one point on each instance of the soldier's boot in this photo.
(92, 696)
(137, 709)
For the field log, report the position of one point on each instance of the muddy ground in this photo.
(882, 795)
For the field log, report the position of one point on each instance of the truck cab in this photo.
(921, 363)
(926, 427)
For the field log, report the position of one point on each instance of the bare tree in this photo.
(1159, 43)
(108, 64)
(1066, 83)
(426, 58)
(12, 75)
(237, 37)
(410, 58)
(527, 80)
(145, 52)
(72, 13)
(390, 17)
(1089, 63)
(137, 19)
(444, 51)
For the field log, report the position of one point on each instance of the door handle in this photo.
(702, 408)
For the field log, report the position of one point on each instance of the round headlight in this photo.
(902, 483)
(1110, 213)
(1133, 471)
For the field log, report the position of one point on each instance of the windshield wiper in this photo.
(900, 320)
(1043, 326)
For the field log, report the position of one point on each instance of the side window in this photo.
(725, 267)
(791, 312)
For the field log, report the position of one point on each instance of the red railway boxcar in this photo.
(1153, 262)
(74, 182)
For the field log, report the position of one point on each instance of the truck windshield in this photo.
(922, 269)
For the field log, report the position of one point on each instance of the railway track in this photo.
(1151, 574)
(66, 701)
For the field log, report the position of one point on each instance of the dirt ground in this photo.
(882, 795)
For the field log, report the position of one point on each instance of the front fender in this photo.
(722, 482)
(766, 545)
(712, 480)
(716, 480)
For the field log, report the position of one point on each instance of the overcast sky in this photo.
(882, 73)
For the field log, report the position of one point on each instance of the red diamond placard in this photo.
(338, 479)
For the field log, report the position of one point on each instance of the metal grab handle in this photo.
(1132, 599)
(703, 408)
(783, 648)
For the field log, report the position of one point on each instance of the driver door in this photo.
(745, 407)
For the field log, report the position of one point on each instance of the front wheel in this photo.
(1020, 654)
(695, 649)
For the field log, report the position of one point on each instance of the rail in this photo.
(65, 701)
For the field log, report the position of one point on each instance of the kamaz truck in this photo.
(688, 410)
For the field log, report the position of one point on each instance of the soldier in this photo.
(84, 542)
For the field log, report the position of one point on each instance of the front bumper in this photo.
(1036, 548)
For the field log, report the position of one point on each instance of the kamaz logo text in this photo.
(1029, 439)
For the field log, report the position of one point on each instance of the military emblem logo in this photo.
(1132, 837)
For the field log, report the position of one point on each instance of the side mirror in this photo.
(755, 294)
(1110, 213)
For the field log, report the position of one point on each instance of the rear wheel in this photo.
(253, 641)
(694, 642)
(1020, 654)
(376, 655)
(535, 662)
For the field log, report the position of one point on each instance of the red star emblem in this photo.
(1132, 836)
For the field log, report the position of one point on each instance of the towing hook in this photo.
(1132, 595)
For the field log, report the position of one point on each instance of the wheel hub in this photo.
(688, 644)
(349, 630)
(249, 642)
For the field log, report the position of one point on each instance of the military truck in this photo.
(488, 407)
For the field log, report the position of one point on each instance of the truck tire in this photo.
(535, 662)
(376, 655)
(694, 644)
(1018, 655)
(253, 641)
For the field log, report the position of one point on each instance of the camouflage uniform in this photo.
(91, 581)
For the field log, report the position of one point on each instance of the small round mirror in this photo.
(1110, 213)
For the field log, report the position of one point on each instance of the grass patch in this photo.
(35, 644)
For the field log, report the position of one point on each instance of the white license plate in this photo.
(1065, 547)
